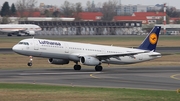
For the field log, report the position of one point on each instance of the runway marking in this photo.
(92, 75)
(24, 74)
(175, 76)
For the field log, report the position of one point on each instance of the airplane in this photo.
(61, 52)
(19, 29)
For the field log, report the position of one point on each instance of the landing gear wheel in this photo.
(77, 67)
(98, 68)
(9, 35)
(29, 63)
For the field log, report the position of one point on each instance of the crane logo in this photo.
(153, 38)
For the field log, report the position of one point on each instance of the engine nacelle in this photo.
(31, 33)
(58, 61)
(90, 61)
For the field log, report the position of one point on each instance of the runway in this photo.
(164, 78)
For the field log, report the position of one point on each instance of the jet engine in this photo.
(90, 61)
(58, 61)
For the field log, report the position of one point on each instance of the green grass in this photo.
(29, 92)
(91, 38)
(129, 41)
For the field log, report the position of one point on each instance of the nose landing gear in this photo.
(30, 61)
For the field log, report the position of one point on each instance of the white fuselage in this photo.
(73, 51)
(9, 28)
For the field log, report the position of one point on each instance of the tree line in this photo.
(67, 9)
(6, 10)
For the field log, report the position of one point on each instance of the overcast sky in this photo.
(175, 3)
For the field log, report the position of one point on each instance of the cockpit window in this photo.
(23, 43)
(20, 42)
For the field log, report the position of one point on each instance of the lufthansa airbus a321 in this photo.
(61, 52)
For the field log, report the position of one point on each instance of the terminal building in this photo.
(71, 27)
(171, 29)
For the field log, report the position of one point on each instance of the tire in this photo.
(77, 67)
(29, 64)
(98, 68)
(9, 35)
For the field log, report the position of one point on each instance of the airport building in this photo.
(87, 27)
(144, 17)
(130, 9)
(171, 29)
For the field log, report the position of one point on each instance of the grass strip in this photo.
(35, 92)
(128, 41)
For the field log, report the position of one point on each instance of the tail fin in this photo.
(151, 40)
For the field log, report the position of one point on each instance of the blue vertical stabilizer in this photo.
(151, 40)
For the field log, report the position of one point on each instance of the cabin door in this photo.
(36, 45)
(66, 48)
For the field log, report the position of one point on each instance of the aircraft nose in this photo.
(39, 28)
(15, 48)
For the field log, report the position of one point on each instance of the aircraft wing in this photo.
(112, 54)
(120, 54)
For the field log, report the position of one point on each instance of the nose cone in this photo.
(15, 48)
(40, 28)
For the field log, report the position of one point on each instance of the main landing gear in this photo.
(30, 61)
(77, 67)
(98, 68)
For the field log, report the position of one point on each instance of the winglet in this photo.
(151, 40)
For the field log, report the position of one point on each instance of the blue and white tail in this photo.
(151, 40)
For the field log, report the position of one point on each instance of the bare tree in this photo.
(67, 9)
(91, 7)
(47, 13)
(26, 5)
(88, 4)
(78, 7)
(99, 5)
(56, 14)
(109, 10)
